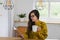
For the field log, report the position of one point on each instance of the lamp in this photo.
(39, 5)
(8, 4)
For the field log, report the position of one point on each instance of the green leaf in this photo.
(22, 15)
(1, 3)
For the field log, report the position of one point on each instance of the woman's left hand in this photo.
(38, 29)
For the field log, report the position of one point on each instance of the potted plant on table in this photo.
(22, 16)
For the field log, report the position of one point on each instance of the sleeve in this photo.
(43, 33)
(27, 32)
(26, 35)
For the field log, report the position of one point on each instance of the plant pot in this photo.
(21, 19)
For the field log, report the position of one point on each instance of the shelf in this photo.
(44, 21)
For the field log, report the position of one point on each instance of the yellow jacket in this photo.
(42, 35)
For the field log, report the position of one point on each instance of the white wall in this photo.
(3, 22)
(53, 30)
(22, 6)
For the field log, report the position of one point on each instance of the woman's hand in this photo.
(21, 35)
(38, 29)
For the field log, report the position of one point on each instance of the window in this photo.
(44, 11)
(50, 11)
(1, 2)
(55, 9)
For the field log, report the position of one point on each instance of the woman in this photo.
(41, 32)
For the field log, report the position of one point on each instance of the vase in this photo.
(21, 19)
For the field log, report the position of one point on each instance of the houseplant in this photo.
(22, 16)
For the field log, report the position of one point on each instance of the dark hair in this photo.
(30, 23)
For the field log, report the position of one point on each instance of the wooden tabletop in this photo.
(15, 38)
(6, 38)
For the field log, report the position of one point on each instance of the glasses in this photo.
(32, 16)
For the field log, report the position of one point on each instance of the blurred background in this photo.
(14, 15)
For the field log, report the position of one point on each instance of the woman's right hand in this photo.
(21, 35)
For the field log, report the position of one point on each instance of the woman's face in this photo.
(33, 17)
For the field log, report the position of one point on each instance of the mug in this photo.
(34, 28)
